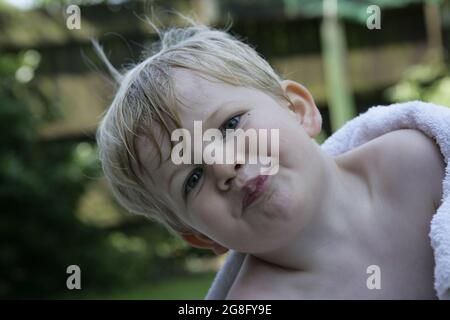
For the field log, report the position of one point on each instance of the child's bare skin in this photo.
(322, 220)
(405, 169)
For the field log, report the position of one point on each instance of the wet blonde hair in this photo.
(146, 93)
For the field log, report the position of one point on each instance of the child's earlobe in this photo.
(197, 241)
(219, 250)
(203, 242)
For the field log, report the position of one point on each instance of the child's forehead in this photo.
(194, 94)
(195, 90)
(199, 95)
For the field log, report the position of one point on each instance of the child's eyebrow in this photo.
(172, 176)
(219, 108)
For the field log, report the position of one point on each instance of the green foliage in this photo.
(188, 287)
(428, 82)
(355, 10)
(41, 184)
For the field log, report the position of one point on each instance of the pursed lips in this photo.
(253, 189)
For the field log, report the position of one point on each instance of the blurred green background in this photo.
(56, 209)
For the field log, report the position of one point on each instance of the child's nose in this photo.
(224, 174)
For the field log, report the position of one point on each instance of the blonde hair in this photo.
(146, 93)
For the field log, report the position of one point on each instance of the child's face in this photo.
(214, 202)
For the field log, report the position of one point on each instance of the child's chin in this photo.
(279, 204)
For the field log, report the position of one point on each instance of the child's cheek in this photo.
(208, 208)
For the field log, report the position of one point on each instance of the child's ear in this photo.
(304, 106)
(203, 242)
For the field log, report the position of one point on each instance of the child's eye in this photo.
(192, 180)
(231, 123)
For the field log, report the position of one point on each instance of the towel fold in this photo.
(429, 118)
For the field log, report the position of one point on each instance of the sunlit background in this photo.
(56, 209)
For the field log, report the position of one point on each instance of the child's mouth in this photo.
(253, 189)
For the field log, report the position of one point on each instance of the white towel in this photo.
(432, 120)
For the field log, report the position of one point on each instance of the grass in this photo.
(184, 288)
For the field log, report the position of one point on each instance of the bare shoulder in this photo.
(256, 281)
(411, 158)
